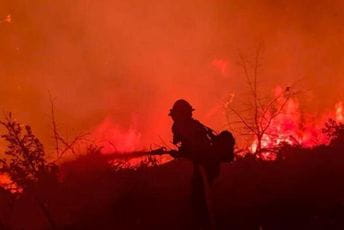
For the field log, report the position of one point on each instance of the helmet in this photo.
(181, 106)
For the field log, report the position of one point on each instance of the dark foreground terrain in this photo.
(305, 190)
(301, 189)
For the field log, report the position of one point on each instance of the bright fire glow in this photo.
(114, 139)
(8, 184)
(340, 112)
(295, 128)
(290, 126)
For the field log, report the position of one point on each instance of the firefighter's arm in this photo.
(161, 151)
(177, 141)
(175, 153)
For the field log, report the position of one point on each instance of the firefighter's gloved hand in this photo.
(175, 154)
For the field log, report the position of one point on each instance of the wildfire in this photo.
(290, 126)
(8, 184)
(114, 139)
(295, 128)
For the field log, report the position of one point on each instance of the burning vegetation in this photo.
(94, 189)
(298, 188)
(104, 172)
(103, 176)
(116, 66)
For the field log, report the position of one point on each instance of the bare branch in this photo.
(54, 126)
(59, 139)
(243, 120)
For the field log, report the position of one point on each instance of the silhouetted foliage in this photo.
(26, 165)
(252, 114)
(25, 162)
(302, 189)
(335, 132)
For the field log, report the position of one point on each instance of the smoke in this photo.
(124, 60)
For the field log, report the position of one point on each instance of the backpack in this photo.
(223, 146)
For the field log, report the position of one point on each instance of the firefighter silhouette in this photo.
(194, 141)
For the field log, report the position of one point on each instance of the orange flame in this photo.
(294, 128)
(115, 139)
(8, 184)
(340, 112)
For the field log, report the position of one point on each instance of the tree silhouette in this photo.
(258, 110)
(25, 162)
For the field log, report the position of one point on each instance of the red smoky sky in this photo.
(128, 61)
